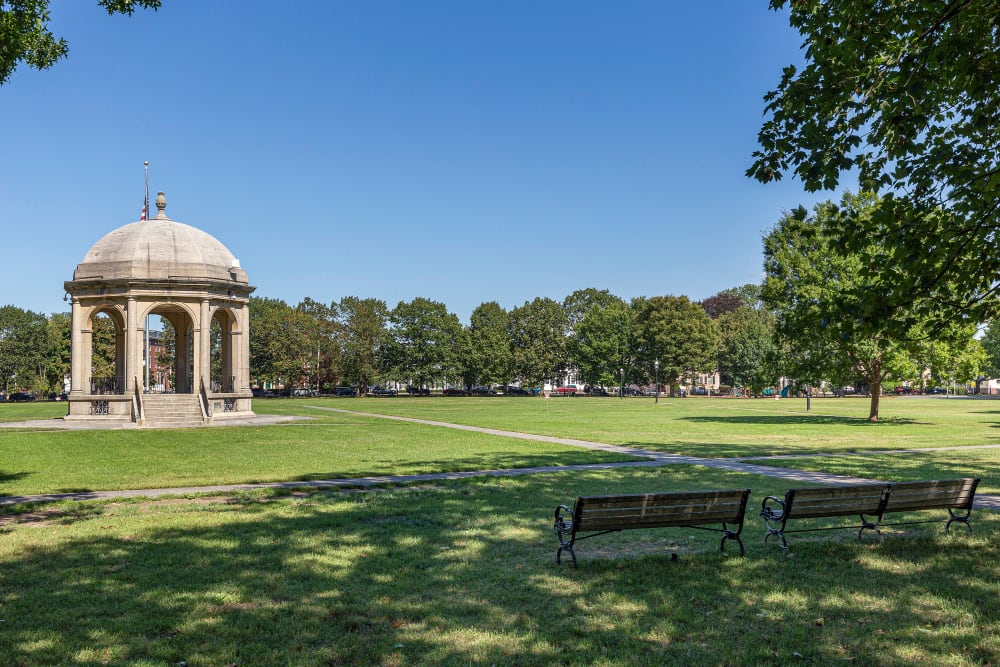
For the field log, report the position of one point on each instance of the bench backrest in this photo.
(855, 499)
(655, 510)
(942, 493)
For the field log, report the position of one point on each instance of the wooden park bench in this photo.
(869, 502)
(599, 515)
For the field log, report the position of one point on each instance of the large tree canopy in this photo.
(676, 333)
(364, 338)
(603, 342)
(814, 290)
(905, 93)
(486, 351)
(538, 337)
(25, 36)
(425, 342)
(24, 342)
(747, 348)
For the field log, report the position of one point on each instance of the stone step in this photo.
(171, 409)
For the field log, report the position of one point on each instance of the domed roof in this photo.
(159, 249)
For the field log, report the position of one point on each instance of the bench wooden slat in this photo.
(730, 508)
(802, 508)
(834, 501)
(870, 502)
(646, 499)
(935, 494)
(853, 491)
(658, 520)
(681, 509)
(640, 507)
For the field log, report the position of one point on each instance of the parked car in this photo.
(599, 391)
(414, 390)
(935, 390)
(453, 391)
(568, 390)
(345, 391)
(699, 391)
(515, 391)
(20, 397)
(483, 391)
(901, 390)
(382, 391)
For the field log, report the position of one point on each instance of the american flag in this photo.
(142, 216)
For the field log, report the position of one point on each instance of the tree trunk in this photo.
(875, 388)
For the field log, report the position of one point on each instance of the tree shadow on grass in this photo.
(791, 420)
(13, 476)
(465, 574)
(571, 457)
(892, 467)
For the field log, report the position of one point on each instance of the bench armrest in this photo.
(772, 509)
(563, 520)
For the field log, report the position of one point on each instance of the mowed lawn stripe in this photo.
(33, 462)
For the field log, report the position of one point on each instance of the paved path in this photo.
(650, 459)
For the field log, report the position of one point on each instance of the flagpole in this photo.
(146, 217)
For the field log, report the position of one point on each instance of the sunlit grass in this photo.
(33, 462)
(464, 573)
(461, 573)
(707, 426)
(15, 412)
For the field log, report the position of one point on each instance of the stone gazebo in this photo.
(190, 280)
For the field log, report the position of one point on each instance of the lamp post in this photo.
(621, 384)
(656, 376)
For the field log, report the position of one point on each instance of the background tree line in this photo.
(800, 323)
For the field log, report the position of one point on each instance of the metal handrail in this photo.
(107, 385)
(224, 386)
(137, 406)
(206, 411)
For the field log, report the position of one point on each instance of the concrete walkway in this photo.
(650, 459)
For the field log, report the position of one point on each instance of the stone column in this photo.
(77, 379)
(228, 325)
(241, 349)
(87, 347)
(131, 345)
(182, 355)
(203, 343)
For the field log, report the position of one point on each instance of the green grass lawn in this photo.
(35, 462)
(352, 445)
(15, 412)
(709, 426)
(463, 573)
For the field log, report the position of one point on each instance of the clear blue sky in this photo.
(459, 151)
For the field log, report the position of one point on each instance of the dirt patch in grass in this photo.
(37, 519)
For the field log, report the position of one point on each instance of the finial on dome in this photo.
(161, 205)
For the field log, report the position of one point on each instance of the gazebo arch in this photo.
(185, 276)
(104, 384)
